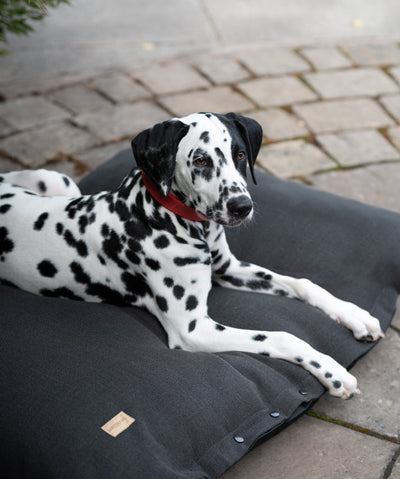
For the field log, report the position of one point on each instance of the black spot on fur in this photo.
(79, 245)
(258, 285)
(62, 292)
(281, 292)
(186, 260)
(191, 303)
(39, 223)
(192, 325)
(299, 359)
(169, 282)
(337, 384)
(259, 337)
(47, 268)
(219, 327)
(4, 208)
(112, 247)
(233, 280)
(60, 228)
(205, 136)
(178, 292)
(315, 364)
(152, 264)
(222, 269)
(328, 375)
(66, 180)
(79, 274)
(221, 157)
(6, 196)
(42, 186)
(136, 283)
(6, 244)
(161, 242)
(162, 303)
(83, 222)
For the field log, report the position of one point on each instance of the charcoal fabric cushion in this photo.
(68, 367)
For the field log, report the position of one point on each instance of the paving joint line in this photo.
(354, 427)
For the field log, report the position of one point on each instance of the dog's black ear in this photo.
(251, 132)
(155, 151)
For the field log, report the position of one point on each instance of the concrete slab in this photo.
(376, 184)
(351, 83)
(325, 58)
(277, 124)
(358, 147)
(293, 158)
(277, 91)
(311, 448)
(377, 408)
(334, 115)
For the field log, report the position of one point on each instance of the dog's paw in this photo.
(337, 380)
(364, 326)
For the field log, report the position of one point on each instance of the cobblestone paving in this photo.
(331, 118)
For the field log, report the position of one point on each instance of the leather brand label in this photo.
(118, 424)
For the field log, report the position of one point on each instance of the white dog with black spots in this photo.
(158, 242)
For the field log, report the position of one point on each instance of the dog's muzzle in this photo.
(239, 207)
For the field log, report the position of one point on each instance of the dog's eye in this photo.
(241, 155)
(200, 161)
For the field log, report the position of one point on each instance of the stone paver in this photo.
(374, 184)
(358, 147)
(351, 83)
(120, 88)
(221, 99)
(325, 58)
(313, 449)
(273, 61)
(279, 125)
(373, 53)
(121, 120)
(396, 470)
(34, 147)
(378, 407)
(171, 78)
(394, 135)
(222, 70)
(5, 128)
(293, 158)
(277, 91)
(30, 111)
(392, 105)
(79, 99)
(395, 72)
(96, 156)
(8, 165)
(334, 115)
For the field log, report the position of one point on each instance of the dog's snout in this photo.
(240, 206)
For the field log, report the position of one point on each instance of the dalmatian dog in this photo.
(158, 242)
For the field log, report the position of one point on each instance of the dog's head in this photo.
(203, 159)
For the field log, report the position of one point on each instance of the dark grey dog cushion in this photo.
(68, 367)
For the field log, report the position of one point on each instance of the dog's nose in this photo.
(240, 206)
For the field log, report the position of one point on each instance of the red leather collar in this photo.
(172, 203)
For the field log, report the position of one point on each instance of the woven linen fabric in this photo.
(68, 367)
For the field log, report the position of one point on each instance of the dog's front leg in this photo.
(195, 331)
(232, 273)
